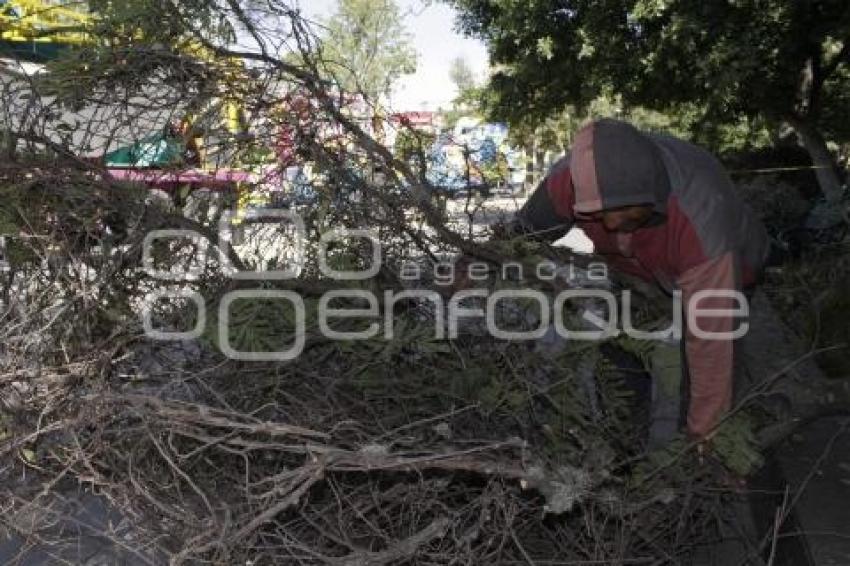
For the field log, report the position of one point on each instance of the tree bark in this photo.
(824, 162)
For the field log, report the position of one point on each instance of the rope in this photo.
(777, 169)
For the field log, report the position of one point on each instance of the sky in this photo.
(436, 43)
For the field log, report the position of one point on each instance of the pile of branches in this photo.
(412, 449)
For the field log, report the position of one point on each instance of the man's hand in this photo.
(704, 455)
(701, 443)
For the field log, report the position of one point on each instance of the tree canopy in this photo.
(784, 61)
(366, 46)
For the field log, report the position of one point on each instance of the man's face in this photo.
(623, 219)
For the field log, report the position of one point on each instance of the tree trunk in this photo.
(825, 166)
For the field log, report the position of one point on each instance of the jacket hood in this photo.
(612, 164)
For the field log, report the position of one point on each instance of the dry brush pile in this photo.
(413, 449)
(376, 452)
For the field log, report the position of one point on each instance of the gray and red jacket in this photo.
(702, 236)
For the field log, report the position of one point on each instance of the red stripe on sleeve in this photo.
(561, 193)
(710, 358)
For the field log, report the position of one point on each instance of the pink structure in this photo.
(219, 179)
